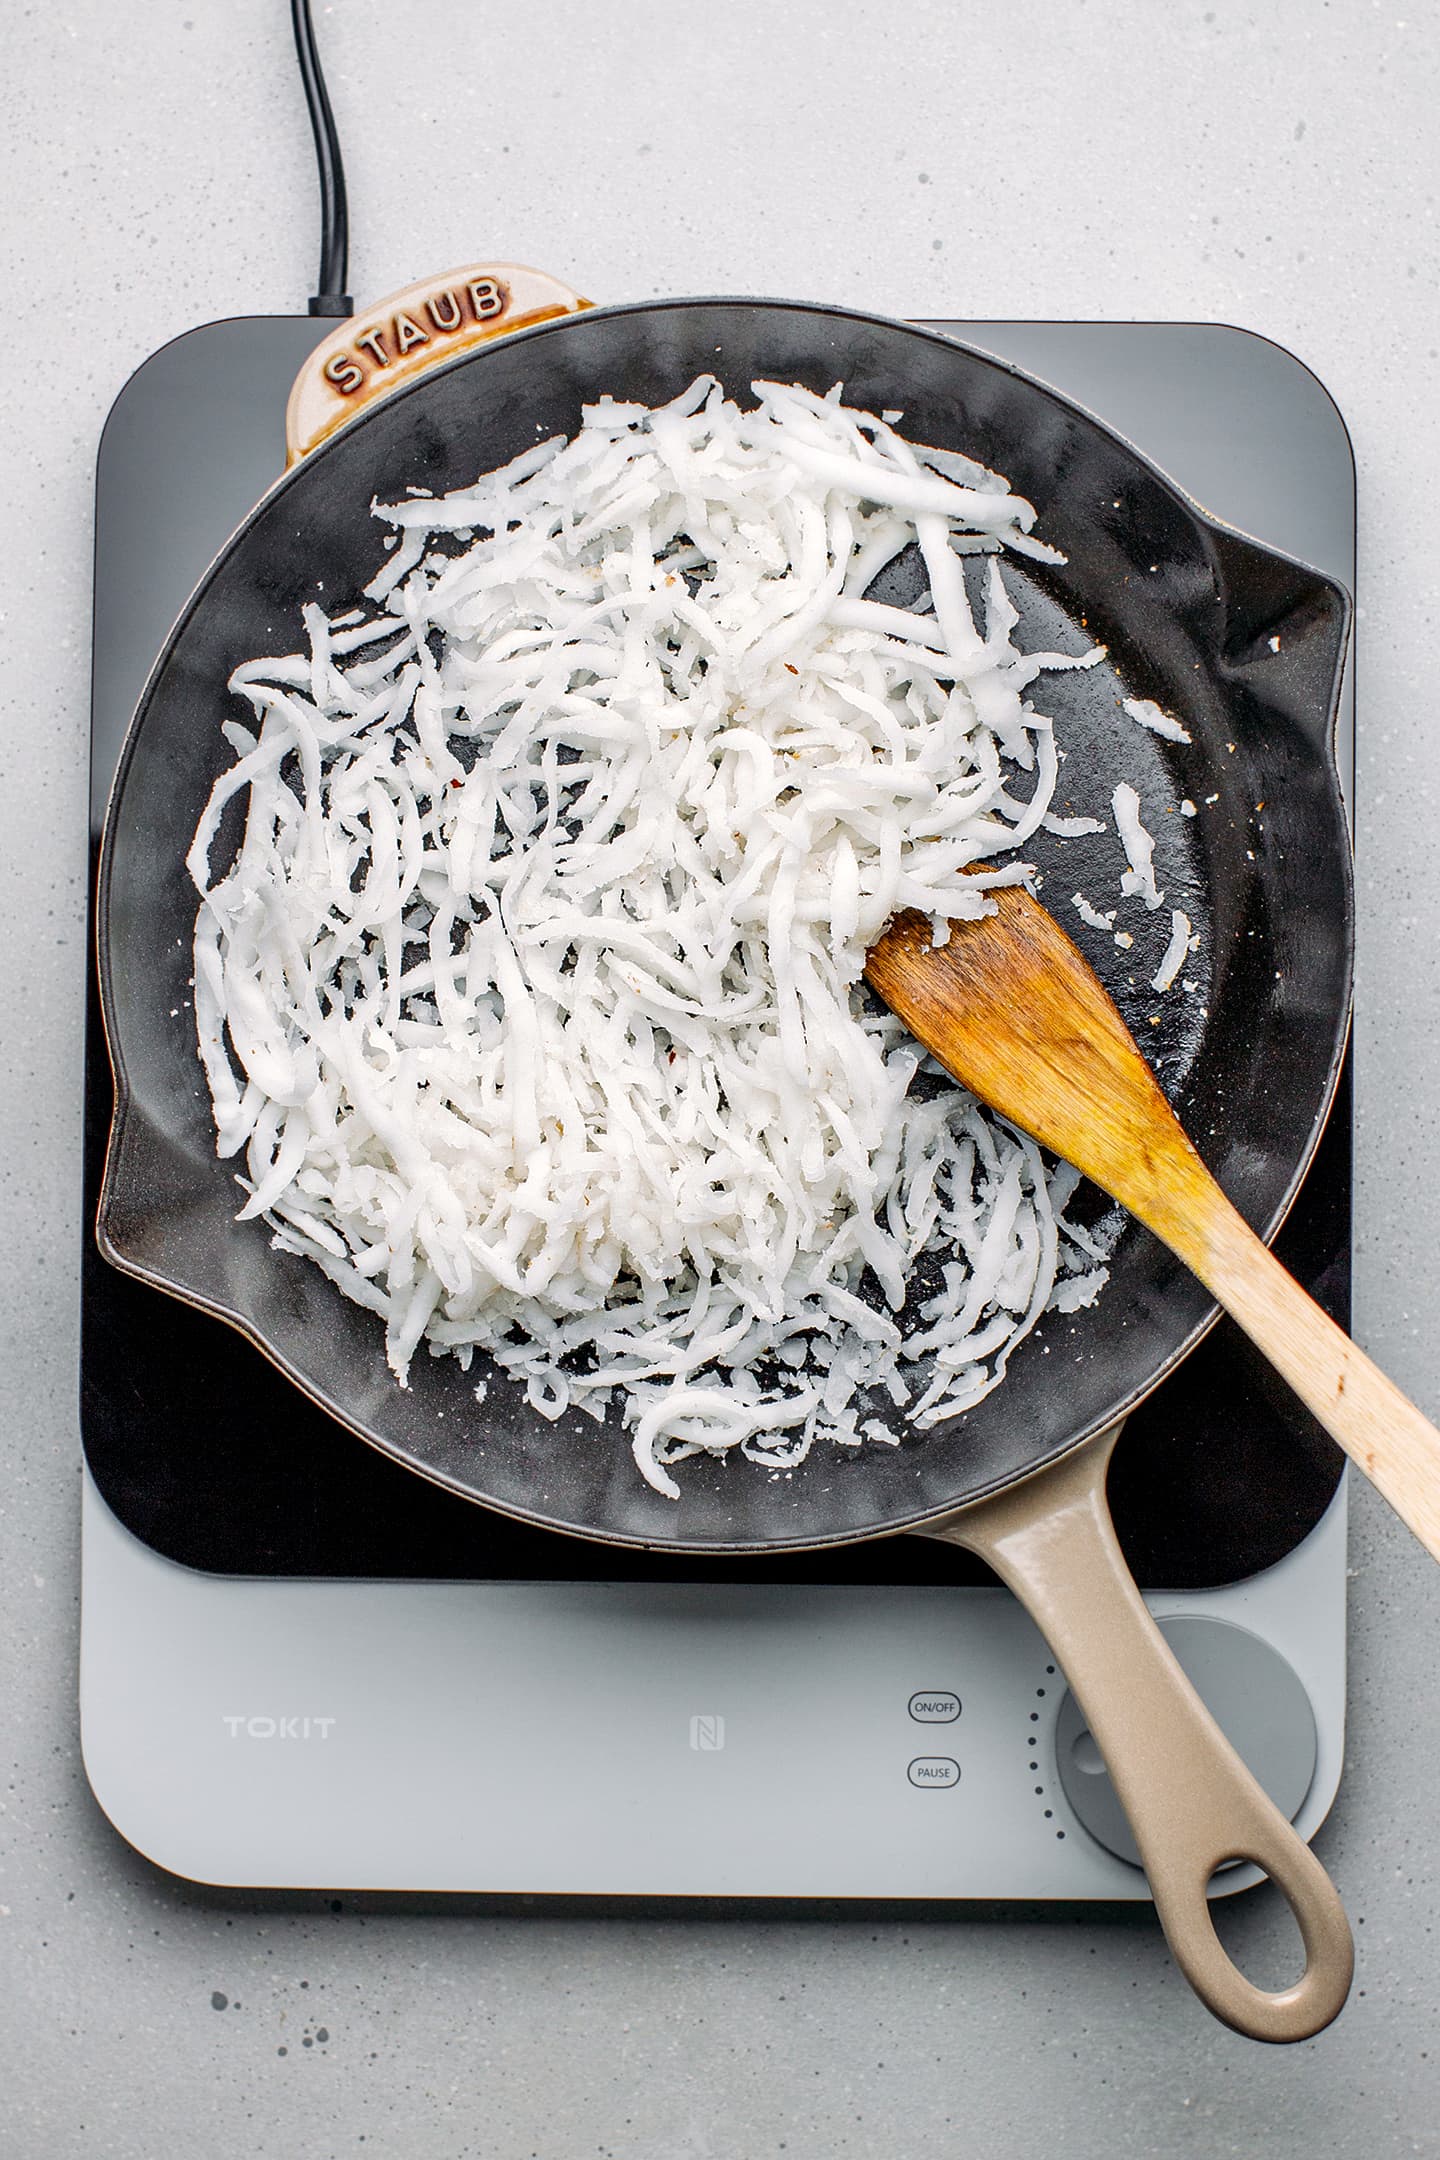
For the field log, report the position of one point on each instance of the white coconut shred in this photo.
(1156, 719)
(528, 983)
(1139, 846)
(1182, 943)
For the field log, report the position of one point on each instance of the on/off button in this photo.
(935, 1707)
(933, 1771)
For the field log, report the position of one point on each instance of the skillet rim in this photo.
(128, 1108)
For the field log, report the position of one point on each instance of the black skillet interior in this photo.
(1243, 645)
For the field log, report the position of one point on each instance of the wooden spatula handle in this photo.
(1015, 1012)
(1395, 1445)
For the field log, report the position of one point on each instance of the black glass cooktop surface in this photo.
(206, 1454)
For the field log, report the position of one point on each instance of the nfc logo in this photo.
(707, 1734)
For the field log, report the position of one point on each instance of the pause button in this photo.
(934, 1771)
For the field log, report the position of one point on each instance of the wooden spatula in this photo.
(1013, 1010)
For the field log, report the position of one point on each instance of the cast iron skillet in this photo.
(1244, 645)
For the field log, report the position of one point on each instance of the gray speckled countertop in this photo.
(1272, 165)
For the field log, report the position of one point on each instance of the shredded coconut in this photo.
(1154, 717)
(1071, 828)
(1092, 915)
(529, 992)
(1175, 952)
(1139, 848)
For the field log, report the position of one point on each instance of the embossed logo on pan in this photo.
(454, 307)
(279, 1728)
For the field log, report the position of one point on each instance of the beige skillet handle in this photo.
(1191, 1802)
(372, 354)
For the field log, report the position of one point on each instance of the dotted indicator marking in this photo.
(1030, 1742)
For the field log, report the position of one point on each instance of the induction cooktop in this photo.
(302, 1665)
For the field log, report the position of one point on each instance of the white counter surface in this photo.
(1272, 165)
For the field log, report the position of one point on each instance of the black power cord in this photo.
(332, 298)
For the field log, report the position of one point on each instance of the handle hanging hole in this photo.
(1258, 1932)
